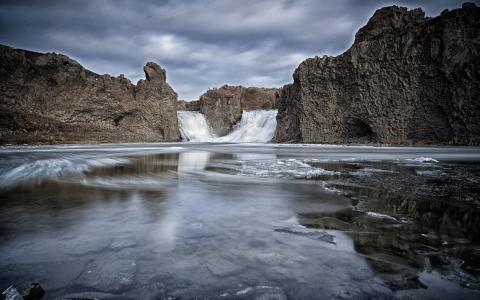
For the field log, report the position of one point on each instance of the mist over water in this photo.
(256, 126)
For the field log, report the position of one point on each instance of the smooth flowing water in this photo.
(241, 221)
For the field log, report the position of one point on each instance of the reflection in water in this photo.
(193, 161)
(235, 222)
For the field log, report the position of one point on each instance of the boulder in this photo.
(407, 79)
(222, 109)
(50, 98)
(34, 292)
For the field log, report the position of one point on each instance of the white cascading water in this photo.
(193, 126)
(256, 126)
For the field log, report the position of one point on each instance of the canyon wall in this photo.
(50, 98)
(407, 79)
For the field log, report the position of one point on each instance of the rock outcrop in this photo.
(259, 98)
(223, 107)
(181, 105)
(406, 79)
(50, 98)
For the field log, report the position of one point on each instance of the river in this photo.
(241, 221)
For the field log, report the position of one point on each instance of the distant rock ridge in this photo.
(50, 98)
(407, 79)
(188, 105)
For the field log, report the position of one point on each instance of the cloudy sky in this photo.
(202, 44)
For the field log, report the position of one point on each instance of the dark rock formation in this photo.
(188, 105)
(406, 79)
(34, 292)
(223, 106)
(50, 98)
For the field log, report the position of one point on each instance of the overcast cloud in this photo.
(202, 44)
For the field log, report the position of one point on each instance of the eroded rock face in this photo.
(50, 98)
(181, 105)
(406, 79)
(188, 105)
(223, 107)
(260, 98)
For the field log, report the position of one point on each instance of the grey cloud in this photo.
(202, 44)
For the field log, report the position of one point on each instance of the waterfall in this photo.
(256, 126)
(193, 126)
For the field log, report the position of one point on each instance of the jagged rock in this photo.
(406, 79)
(50, 98)
(34, 292)
(223, 107)
(154, 72)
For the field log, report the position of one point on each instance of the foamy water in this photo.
(193, 126)
(257, 126)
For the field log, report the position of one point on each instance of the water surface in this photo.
(252, 221)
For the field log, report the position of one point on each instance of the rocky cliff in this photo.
(406, 79)
(223, 107)
(50, 98)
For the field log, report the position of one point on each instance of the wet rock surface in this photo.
(317, 235)
(411, 218)
(34, 292)
(50, 98)
(406, 79)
